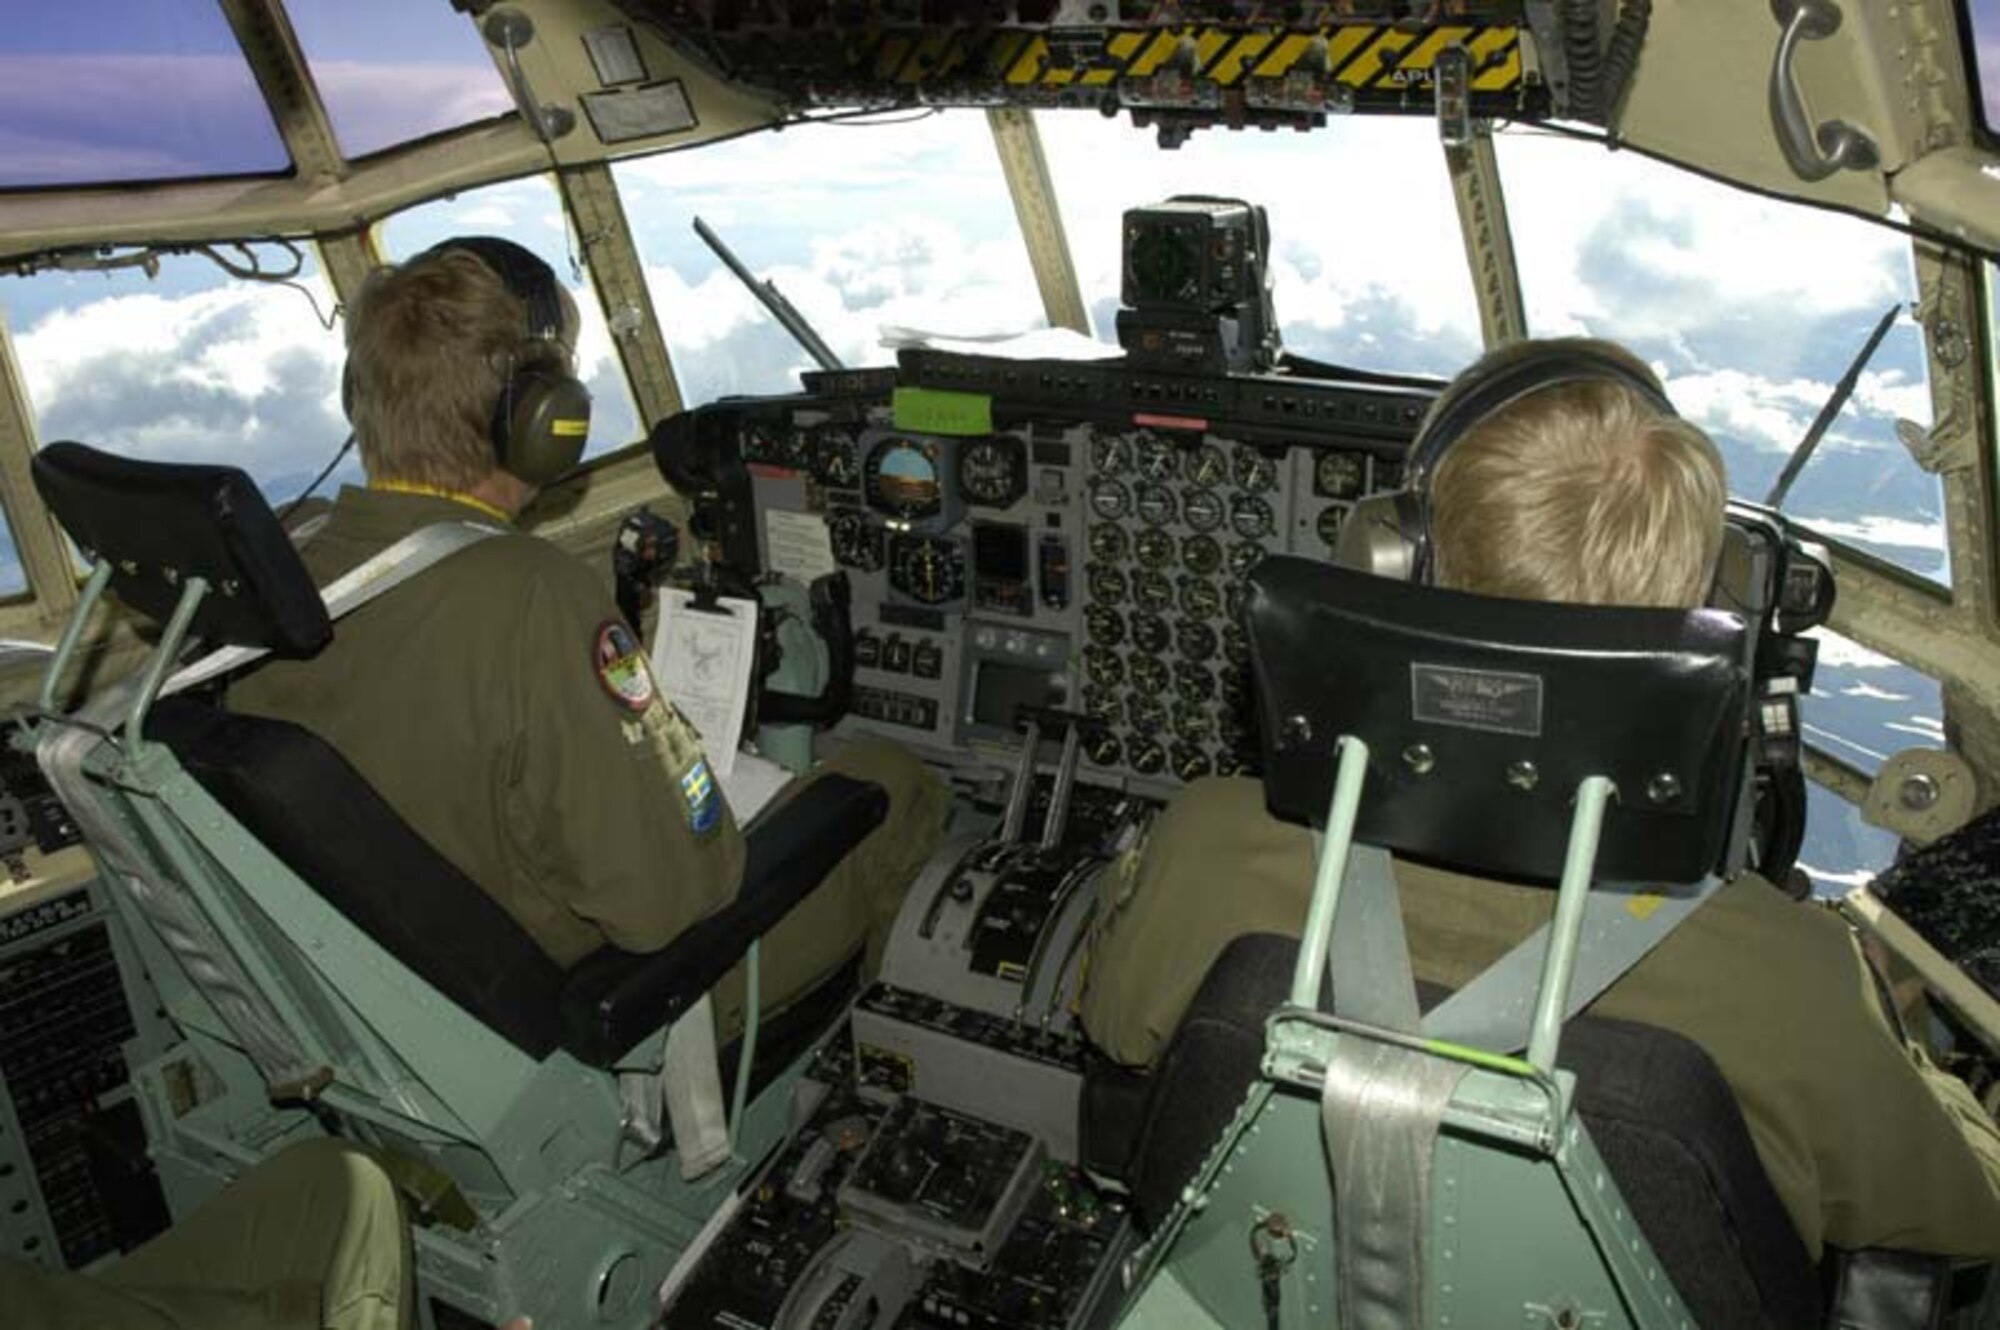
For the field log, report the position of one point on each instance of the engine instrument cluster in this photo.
(1085, 549)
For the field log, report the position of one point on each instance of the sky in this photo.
(1749, 309)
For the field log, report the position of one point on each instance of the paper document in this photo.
(753, 784)
(797, 545)
(703, 658)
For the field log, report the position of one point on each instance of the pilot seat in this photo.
(332, 974)
(1488, 1157)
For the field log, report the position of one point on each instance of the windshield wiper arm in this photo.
(767, 293)
(1824, 421)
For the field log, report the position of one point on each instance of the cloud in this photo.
(1896, 531)
(1844, 653)
(1872, 693)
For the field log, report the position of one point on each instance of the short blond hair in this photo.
(1584, 491)
(429, 345)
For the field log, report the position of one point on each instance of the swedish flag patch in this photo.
(703, 801)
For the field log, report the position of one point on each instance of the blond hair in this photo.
(1583, 491)
(429, 346)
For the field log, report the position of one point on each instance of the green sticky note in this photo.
(930, 411)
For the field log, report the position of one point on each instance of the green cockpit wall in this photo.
(595, 85)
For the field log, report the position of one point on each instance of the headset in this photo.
(1390, 534)
(541, 419)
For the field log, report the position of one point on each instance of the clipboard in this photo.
(704, 653)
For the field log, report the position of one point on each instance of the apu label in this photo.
(1477, 699)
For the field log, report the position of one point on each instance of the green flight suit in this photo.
(311, 1239)
(494, 702)
(1865, 1142)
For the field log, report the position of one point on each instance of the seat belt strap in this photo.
(1620, 928)
(413, 554)
(1368, 954)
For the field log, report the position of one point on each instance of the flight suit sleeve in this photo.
(631, 829)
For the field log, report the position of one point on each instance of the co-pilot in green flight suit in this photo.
(1865, 1143)
(500, 705)
(310, 1239)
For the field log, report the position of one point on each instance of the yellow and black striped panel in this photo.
(1363, 57)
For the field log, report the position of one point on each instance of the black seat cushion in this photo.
(1658, 1110)
(296, 794)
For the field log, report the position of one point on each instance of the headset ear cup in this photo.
(541, 423)
(347, 390)
(1384, 536)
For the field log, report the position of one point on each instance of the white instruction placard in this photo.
(798, 545)
(703, 658)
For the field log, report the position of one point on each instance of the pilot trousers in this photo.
(854, 909)
(311, 1239)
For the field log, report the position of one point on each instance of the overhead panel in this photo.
(1181, 67)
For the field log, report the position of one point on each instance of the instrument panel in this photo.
(1087, 552)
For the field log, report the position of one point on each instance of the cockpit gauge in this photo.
(1203, 510)
(1107, 584)
(1101, 746)
(1331, 519)
(1207, 467)
(1109, 499)
(1235, 700)
(1109, 543)
(857, 542)
(1152, 591)
(1235, 646)
(993, 472)
(1243, 556)
(901, 478)
(762, 443)
(1254, 471)
(1201, 555)
(835, 457)
(1338, 475)
(1105, 625)
(1101, 704)
(1199, 598)
(1155, 549)
(1190, 763)
(927, 569)
(1149, 675)
(1158, 458)
(1145, 712)
(1103, 667)
(1250, 518)
(1150, 633)
(1196, 640)
(1226, 762)
(1156, 505)
(1193, 682)
(1109, 454)
(1146, 757)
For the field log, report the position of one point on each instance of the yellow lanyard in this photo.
(437, 492)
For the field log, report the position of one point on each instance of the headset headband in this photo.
(522, 271)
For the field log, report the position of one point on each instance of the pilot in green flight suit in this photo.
(497, 700)
(1582, 490)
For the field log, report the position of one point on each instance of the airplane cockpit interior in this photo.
(1060, 396)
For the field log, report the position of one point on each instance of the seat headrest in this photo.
(1482, 716)
(159, 524)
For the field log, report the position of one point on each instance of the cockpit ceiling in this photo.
(1181, 66)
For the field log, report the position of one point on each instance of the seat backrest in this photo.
(301, 798)
(1483, 715)
(1657, 1109)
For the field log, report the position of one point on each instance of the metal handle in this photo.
(1814, 152)
(510, 30)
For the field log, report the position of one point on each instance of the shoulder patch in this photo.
(621, 666)
(703, 800)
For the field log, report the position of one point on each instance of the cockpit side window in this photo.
(861, 226)
(529, 211)
(190, 366)
(1367, 257)
(1752, 308)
